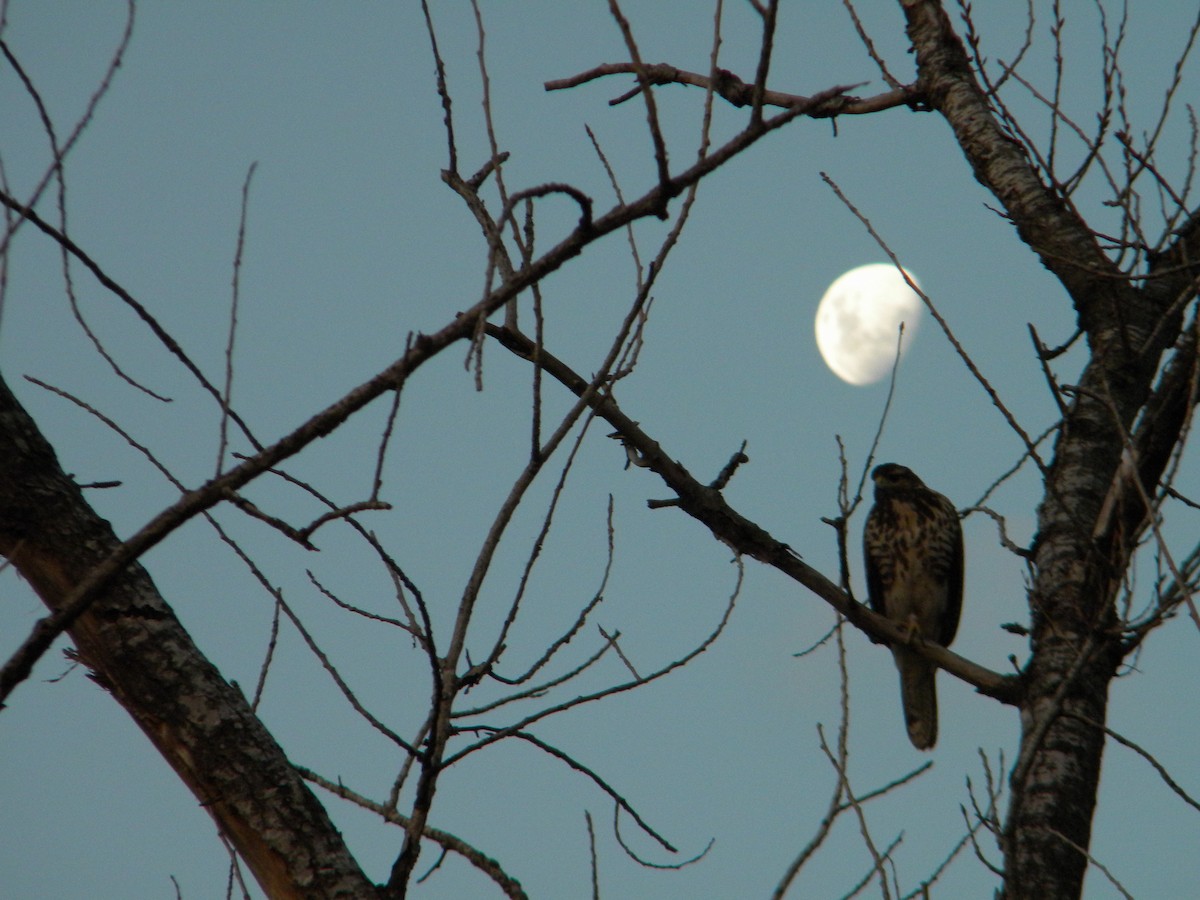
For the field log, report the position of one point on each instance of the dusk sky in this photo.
(353, 241)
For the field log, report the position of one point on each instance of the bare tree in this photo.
(1108, 463)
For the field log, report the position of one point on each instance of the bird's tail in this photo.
(918, 692)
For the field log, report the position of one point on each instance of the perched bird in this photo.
(913, 547)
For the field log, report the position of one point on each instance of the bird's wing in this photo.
(876, 589)
(954, 583)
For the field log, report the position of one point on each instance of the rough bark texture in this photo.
(1128, 405)
(136, 648)
(1082, 549)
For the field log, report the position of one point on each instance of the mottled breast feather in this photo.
(912, 530)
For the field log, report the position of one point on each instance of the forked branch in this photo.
(708, 506)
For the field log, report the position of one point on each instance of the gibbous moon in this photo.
(858, 322)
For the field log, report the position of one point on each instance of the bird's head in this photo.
(894, 477)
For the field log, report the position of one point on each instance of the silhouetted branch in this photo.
(492, 869)
(736, 92)
(746, 538)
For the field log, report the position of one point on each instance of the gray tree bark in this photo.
(1121, 424)
(135, 647)
(1092, 512)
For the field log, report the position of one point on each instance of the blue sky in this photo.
(352, 242)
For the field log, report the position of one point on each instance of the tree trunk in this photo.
(1091, 515)
(136, 648)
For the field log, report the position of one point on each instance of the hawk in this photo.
(913, 547)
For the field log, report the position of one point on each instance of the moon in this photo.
(859, 318)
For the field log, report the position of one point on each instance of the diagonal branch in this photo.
(708, 506)
(1044, 219)
(492, 869)
(419, 351)
(137, 649)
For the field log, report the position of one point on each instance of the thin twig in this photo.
(511, 887)
(933, 310)
(227, 393)
(604, 786)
